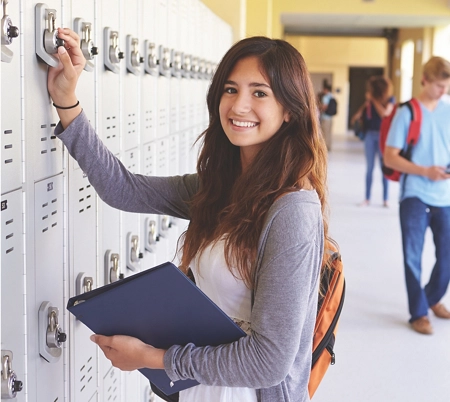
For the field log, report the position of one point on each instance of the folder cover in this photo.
(160, 306)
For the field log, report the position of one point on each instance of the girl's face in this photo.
(249, 112)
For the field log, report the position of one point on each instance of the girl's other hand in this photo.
(128, 353)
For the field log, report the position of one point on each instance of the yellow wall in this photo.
(335, 55)
(259, 17)
(233, 12)
(378, 7)
(423, 39)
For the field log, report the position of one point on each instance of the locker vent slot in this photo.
(7, 132)
(9, 221)
(131, 123)
(148, 119)
(9, 250)
(111, 127)
(9, 146)
(85, 371)
(9, 236)
(8, 161)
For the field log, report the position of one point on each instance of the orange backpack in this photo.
(331, 300)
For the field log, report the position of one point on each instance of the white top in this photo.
(214, 278)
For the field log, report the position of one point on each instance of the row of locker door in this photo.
(102, 245)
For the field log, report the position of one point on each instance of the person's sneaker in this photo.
(422, 326)
(440, 311)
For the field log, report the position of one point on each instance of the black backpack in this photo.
(331, 109)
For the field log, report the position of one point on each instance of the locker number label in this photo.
(50, 186)
(4, 205)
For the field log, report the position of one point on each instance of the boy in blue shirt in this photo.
(425, 193)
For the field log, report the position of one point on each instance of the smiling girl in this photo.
(257, 225)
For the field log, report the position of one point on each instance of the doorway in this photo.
(358, 77)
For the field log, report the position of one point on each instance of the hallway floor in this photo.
(379, 358)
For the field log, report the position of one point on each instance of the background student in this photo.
(425, 193)
(378, 104)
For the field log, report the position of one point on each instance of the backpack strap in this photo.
(413, 132)
(416, 120)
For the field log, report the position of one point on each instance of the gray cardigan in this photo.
(276, 358)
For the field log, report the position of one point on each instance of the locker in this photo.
(81, 18)
(111, 385)
(163, 85)
(174, 155)
(13, 331)
(48, 357)
(183, 152)
(162, 100)
(184, 103)
(82, 271)
(149, 222)
(149, 73)
(108, 70)
(44, 152)
(130, 82)
(131, 240)
(11, 136)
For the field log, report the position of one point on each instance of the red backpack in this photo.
(411, 139)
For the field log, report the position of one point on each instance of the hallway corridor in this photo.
(378, 357)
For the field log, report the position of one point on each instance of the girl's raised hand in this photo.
(62, 80)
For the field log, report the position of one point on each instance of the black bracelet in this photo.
(67, 107)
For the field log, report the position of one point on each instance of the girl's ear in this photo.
(287, 117)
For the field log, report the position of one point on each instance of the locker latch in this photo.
(10, 384)
(209, 69)
(175, 63)
(84, 283)
(133, 253)
(150, 58)
(9, 32)
(112, 269)
(89, 50)
(166, 224)
(48, 45)
(202, 68)
(133, 59)
(195, 67)
(164, 61)
(186, 65)
(113, 55)
(151, 235)
(51, 336)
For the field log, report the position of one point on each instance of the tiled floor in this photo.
(378, 357)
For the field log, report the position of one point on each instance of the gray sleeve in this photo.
(117, 186)
(283, 313)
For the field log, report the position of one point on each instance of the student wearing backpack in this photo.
(256, 206)
(425, 193)
(328, 108)
(379, 103)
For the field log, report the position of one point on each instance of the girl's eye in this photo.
(230, 90)
(260, 94)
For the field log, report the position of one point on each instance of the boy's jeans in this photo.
(415, 217)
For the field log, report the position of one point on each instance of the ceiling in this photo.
(355, 24)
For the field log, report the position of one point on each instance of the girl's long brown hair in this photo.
(234, 203)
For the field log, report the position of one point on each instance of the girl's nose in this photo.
(241, 104)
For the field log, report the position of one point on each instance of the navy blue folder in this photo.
(160, 306)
